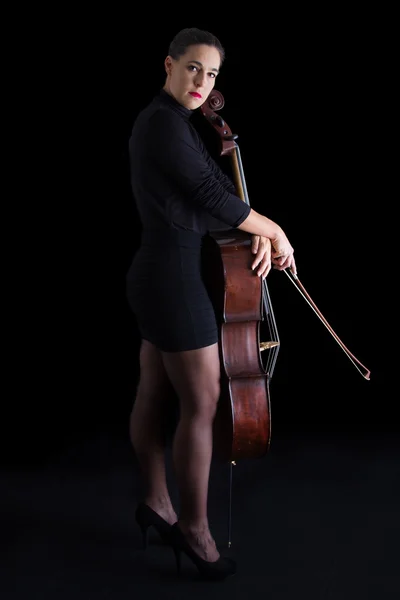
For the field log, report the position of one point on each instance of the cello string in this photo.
(267, 318)
(273, 330)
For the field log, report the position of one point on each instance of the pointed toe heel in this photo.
(218, 570)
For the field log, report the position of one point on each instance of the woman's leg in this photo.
(195, 375)
(147, 435)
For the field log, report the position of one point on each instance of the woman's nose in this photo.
(200, 80)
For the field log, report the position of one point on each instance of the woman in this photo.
(181, 194)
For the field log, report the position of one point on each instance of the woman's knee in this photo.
(201, 400)
(195, 376)
(153, 378)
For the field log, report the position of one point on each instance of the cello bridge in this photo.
(268, 345)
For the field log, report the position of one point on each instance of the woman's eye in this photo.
(193, 68)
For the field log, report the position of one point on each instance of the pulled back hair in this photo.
(192, 36)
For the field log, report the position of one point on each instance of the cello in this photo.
(242, 425)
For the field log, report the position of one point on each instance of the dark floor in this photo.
(317, 518)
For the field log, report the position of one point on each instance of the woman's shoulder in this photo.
(156, 120)
(165, 116)
(164, 123)
(165, 126)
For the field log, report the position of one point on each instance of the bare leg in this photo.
(146, 429)
(195, 376)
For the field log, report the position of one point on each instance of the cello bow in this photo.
(301, 289)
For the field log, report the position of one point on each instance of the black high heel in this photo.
(217, 570)
(146, 517)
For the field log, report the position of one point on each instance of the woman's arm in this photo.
(282, 251)
(260, 225)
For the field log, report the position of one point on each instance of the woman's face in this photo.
(191, 78)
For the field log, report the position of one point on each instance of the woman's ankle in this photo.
(193, 525)
(161, 504)
(198, 535)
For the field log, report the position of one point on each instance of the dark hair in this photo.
(191, 36)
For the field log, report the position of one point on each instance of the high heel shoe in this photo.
(147, 517)
(217, 570)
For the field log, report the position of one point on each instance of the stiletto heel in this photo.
(144, 529)
(177, 553)
(147, 517)
(217, 570)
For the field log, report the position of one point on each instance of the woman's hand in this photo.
(283, 263)
(282, 255)
(261, 247)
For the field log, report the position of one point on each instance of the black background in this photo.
(305, 98)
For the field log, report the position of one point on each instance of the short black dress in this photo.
(181, 195)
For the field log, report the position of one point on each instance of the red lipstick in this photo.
(195, 94)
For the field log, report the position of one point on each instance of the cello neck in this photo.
(238, 175)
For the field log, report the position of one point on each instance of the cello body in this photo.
(242, 426)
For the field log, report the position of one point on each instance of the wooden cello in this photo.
(242, 427)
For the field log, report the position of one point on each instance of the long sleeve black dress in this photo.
(180, 193)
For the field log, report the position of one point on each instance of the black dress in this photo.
(181, 194)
